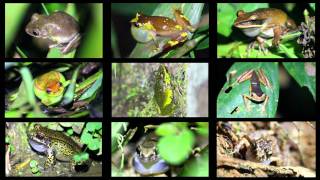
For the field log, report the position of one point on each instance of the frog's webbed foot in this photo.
(260, 42)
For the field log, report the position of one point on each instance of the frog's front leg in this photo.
(51, 159)
(260, 41)
(277, 36)
(72, 44)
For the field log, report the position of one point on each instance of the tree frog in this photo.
(264, 23)
(146, 28)
(49, 87)
(146, 160)
(61, 29)
(256, 94)
(163, 91)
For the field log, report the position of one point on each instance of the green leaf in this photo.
(92, 126)
(92, 90)
(231, 104)
(33, 163)
(203, 128)
(166, 129)
(197, 166)
(66, 124)
(304, 73)
(86, 137)
(70, 132)
(94, 144)
(175, 149)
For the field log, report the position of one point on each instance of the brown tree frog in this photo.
(264, 23)
(256, 94)
(146, 28)
(61, 29)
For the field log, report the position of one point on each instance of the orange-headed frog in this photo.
(146, 28)
(264, 23)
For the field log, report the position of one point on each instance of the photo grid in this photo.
(209, 89)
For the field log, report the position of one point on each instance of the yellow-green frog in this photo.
(56, 145)
(146, 28)
(59, 27)
(49, 87)
(163, 91)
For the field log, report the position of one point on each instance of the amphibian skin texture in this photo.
(265, 23)
(163, 91)
(55, 144)
(146, 160)
(146, 28)
(59, 27)
(49, 87)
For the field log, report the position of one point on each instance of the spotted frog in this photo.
(146, 160)
(163, 91)
(55, 144)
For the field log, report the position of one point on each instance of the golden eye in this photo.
(253, 17)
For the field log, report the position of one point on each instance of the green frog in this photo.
(164, 91)
(55, 144)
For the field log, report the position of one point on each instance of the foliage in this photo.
(22, 102)
(230, 102)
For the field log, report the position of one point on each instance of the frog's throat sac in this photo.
(155, 168)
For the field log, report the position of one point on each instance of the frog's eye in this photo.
(240, 13)
(136, 24)
(40, 136)
(35, 32)
(48, 90)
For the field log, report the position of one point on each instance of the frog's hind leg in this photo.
(51, 160)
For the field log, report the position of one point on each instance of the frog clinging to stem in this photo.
(147, 28)
(264, 23)
(163, 91)
(61, 29)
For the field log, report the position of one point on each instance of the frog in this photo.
(49, 87)
(55, 144)
(146, 160)
(164, 91)
(264, 23)
(147, 28)
(256, 95)
(259, 146)
(61, 29)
